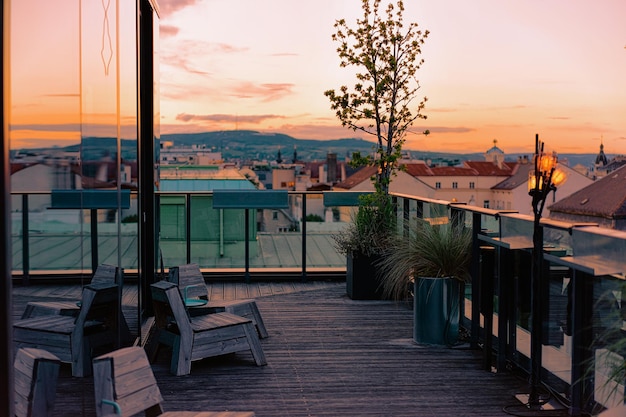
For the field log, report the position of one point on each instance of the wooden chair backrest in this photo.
(125, 377)
(106, 274)
(189, 276)
(35, 379)
(100, 302)
(168, 306)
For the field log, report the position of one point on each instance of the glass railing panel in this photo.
(172, 229)
(322, 223)
(557, 332)
(609, 339)
(516, 230)
(276, 234)
(221, 242)
(490, 225)
(557, 242)
(521, 271)
(599, 248)
(435, 213)
(414, 213)
(402, 216)
(17, 235)
(128, 237)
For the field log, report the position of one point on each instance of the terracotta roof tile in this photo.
(454, 171)
(357, 178)
(418, 169)
(486, 168)
(605, 197)
(520, 177)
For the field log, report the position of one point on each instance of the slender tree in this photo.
(382, 101)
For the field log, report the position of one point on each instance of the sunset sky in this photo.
(493, 69)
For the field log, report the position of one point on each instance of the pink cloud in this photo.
(168, 31)
(227, 118)
(196, 57)
(167, 7)
(266, 92)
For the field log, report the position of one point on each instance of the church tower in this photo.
(599, 166)
(279, 157)
(601, 159)
(495, 154)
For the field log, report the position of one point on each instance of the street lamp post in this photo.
(541, 181)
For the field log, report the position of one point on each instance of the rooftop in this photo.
(327, 355)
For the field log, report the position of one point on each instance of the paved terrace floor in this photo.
(327, 356)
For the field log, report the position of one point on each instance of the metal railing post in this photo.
(188, 227)
(94, 240)
(304, 237)
(247, 245)
(25, 242)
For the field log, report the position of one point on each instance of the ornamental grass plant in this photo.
(435, 251)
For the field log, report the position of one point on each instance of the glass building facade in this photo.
(80, 77)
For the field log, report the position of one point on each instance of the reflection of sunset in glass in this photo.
(45, 103)
(65, 78)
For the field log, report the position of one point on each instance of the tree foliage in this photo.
(382, 101)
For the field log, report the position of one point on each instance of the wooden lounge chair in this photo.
(35, 374)
(193, 288)
(199, 337)
(104, 274)
(74, 339)
(124, 385)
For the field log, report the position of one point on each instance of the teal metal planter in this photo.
(436, 311)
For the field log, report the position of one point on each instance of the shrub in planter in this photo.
(432, 264)
(363, 242)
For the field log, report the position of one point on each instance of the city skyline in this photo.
(493, 70)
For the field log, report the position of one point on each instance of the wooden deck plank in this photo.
(216, 291)
(327, 356)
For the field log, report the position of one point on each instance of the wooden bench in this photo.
(124, 384)
(35, 379)
(74, 339)
(199, 337)
(191, 283)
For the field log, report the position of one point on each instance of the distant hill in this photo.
(252, 145)
(249, 144)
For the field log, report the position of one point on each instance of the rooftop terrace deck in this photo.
(327, 356)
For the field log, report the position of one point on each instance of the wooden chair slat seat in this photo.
(199, 337)
(124, 380)
(195, 293)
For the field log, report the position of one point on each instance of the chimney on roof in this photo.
(331, 166)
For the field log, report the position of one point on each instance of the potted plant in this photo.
(383, 104)
(432, 263)
(363, 242)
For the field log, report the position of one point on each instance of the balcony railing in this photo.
(583, 292)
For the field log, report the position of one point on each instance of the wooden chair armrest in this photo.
(116, 406)
(191, 302)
